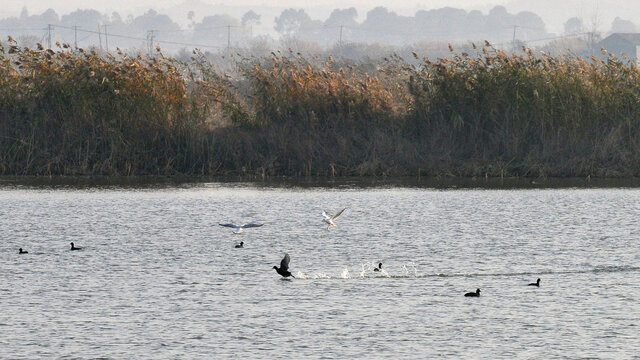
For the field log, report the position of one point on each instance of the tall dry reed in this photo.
(76, 112)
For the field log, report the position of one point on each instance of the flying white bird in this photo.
(237, 229)
(329, 219)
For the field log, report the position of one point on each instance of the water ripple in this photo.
(158, 278)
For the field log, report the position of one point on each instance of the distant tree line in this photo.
(380, 26)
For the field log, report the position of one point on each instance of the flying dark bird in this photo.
(537, 283)
(284, 267)
(22, 251)
(473, 294)
(241, 245)
(237, 229)
(329, 219)
(379, 268)
(73, 247)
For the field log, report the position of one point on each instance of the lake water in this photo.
(158, 278)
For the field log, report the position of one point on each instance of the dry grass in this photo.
(536, 115)
(76, 112)
(73, 112)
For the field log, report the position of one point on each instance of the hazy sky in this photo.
(14, 6)
(553, 12)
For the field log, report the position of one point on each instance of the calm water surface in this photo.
(158, 278)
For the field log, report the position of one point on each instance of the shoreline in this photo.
(443, 183)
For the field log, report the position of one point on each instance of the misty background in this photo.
(353, 28)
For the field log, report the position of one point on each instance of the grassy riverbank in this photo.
(76, 112)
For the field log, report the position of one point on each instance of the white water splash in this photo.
(384, 273)
(415, 270)
(410, 269)
(365, 268)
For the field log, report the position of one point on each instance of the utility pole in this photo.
(100, 37)
(106, 39)
(49, 30)
(75, 36)
(590, 42)
(150, 38)
(513, 41)
(341, 27)
(229, 38)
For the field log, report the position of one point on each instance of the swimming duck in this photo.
(473, 294)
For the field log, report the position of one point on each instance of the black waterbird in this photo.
(473, 294)
(284, 267)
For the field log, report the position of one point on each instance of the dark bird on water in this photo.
(537, 283)
(241, 245)
(284, 267)
(73, 247)
(473, 294)
(379, 268)
(22, 251)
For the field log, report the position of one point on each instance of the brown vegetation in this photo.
(73, 112)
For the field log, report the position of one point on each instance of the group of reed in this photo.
(67, 111)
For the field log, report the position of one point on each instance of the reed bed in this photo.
(317, 118)
(77, 112)
(529, 115)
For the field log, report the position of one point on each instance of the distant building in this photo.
(622, 43)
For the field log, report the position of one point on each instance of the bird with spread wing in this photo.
(284, 267)
(237, 229)
(329, 219)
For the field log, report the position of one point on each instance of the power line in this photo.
(146, 39)
(151, 39)
(85, 38)
(201, 29)
(548, 38)
(22, 29)
(525, 27)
